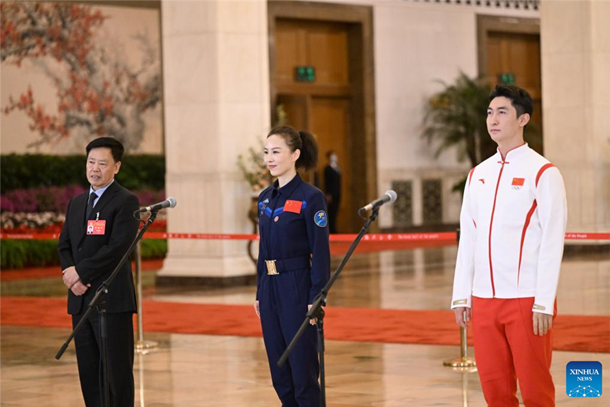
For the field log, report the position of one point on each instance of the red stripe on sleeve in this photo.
(542, 170)
(470, 175)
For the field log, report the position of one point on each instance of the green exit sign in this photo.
(506, 78)
(305, 74)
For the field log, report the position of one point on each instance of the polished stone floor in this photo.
(197, 370)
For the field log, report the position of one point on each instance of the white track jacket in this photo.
(512, 225)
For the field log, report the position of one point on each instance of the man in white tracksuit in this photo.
(512, 224)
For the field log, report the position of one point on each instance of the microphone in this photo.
(389, 196)
(168, 203)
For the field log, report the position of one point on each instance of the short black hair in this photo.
(113, 144)
(519, 98)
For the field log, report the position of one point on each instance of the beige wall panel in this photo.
(195, 17)
(190, 74)
(576, 89)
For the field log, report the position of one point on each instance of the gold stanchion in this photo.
(141, 378)
(463, 362)
(142, 346)
(465, 388)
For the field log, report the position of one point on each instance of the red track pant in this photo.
(506, 349)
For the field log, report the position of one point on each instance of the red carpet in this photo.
(572, 333)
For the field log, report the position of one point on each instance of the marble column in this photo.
(575, 42)
(216, 82)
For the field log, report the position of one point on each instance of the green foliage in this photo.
(17, 254)
(142, 171)
(457, 115)
(459, 186)
(153, 248)
(33, 170)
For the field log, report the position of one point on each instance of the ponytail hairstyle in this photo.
(303, 141)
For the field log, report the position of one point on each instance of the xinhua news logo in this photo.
(584, 379)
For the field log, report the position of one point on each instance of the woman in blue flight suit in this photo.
(293, 263)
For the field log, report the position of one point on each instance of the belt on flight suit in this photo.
(274, 267)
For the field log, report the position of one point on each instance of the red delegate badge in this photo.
(96, 227)
(293, 206)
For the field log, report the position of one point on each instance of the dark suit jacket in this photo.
(332, 184)
(96, 256)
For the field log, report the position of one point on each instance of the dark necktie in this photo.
(90, 204)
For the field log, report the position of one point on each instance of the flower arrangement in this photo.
(42, 209)
(39, 199)
(51, 222)
(56, 198)
(21, 222)
(253, 168)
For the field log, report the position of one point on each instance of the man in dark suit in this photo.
(332, 189)
(98, 230)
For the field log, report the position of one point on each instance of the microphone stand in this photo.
(99, 301)
(317, 311)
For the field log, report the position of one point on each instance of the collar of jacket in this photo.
(287, 189)
(514, 153)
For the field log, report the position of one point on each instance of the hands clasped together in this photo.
(73, 282)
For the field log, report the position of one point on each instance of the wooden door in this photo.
(324, 106)
(320, 44)
(518, 54)
(330, 122)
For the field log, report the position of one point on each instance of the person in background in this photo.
(332, 188)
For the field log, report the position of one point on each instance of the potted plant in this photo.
(456, 117)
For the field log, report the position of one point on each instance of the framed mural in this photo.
(73, 71)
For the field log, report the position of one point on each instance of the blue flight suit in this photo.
(293, 232)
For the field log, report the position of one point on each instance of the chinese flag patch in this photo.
(293, 206)
(518, 182)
